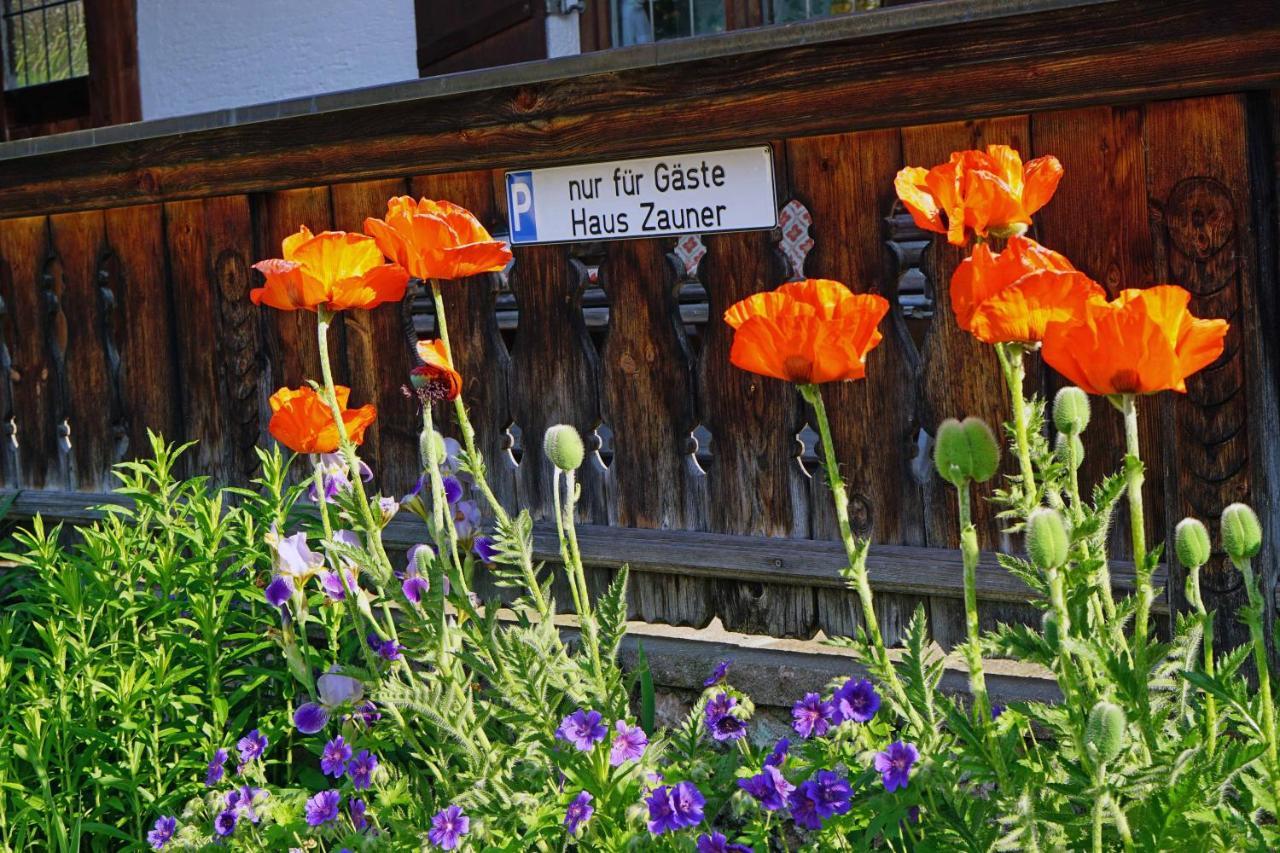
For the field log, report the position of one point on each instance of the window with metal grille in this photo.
(44, 42)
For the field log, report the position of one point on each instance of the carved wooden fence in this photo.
(128, 308)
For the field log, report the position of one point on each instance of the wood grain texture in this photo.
(907, 72)
(79, 333)
(24, 247)
(1202, 230)
(143, 325)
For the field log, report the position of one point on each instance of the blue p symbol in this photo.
(524, 225)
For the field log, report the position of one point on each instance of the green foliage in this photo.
(125, 654)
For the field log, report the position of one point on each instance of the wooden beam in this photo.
(801, 562)
(916, 64)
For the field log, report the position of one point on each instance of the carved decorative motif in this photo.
(794, 243)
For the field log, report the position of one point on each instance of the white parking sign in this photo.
(648, 197)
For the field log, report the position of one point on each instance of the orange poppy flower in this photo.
(1141, 342)
(807, 332)
(1014, 295)
(436, 379)
(302, 421)
(333, 269)
(989, 192)
(436, 239)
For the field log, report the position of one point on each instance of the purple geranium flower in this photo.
(628, 744)
(323, 807)
(366, 713)
(769, 787)
(856, 701)
(216, 767)
(361, 770)
(357, 808)
(804, 806)
(250, 747)
(894, 764)
(811, 716)
(414, 588)
(411, 566)
(832, 793)
(225, 823)
(334, 758)
(161, 832)
(718, 674)
(387, 508)
(675, 807)
(242, 801)
(335, 690)
(583, 729)
(996, 710)
(723, 724)
(485, 550)
(717, 843)
(779, 754)
(579, 812)
(386, 649)
(448, 827)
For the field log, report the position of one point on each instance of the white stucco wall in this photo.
(197, 55)
(563, 35)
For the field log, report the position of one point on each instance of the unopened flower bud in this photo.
(1241, 532)
(1071, 410)
(425, 449)
(1191, 543)
(1050, 627)
(563, 446)
(1047, 540)
(1106, 730)
(966, 450)
(1077, 447)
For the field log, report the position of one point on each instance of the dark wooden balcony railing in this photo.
(125, 260)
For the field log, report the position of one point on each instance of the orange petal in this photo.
(291, 243)
(477, 258)
(287, 287)
(1040, 181)
(385, 283)
(332, 256)
(1007, 165)
(919, 202)
(1023, 311)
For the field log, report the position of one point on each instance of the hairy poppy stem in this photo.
(1010, 356)
(969, 556)
(1206, 621)
(856, 554)
(1253, 618)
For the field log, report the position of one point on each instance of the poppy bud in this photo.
(1191, 543)
(424, 449)
(1241, 532)
(1050, 627)
(1071, 410)
(1047, 540)
(563, 446)
(1105, 731)
(1077, 446)
(966, 450)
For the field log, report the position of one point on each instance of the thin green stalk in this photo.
(1011, 364)
(855, 554)
(478, 470)
(1206, 623)
(1099, 807)
(969, 556)
(1103, 577)
(1254, 620)
(1134, 479)
(373, 529)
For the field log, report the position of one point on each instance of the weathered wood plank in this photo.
(1202, 229)
(143, 325)
(24, 248)
(223, 393)
(890, 67)
(907, 570)
(89, 390)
